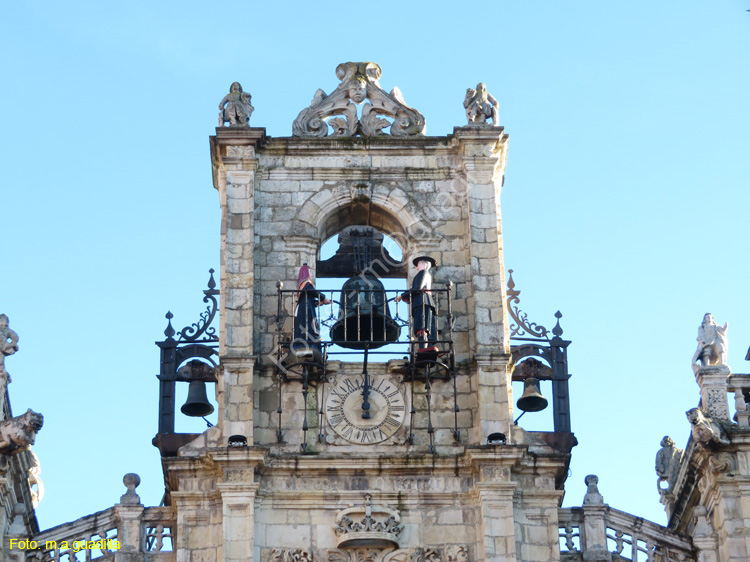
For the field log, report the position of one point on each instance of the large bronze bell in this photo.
(364, 318)
(197, 404)
(532, 399)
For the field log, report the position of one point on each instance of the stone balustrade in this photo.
(627, 537)
(108, 535)
(740, 386)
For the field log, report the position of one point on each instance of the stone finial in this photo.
(359, 82)
(130, 497)
(19, 433)
(706, 432)
(235, 108)
(592, 497)
(481, 105)
(712, 343)
(8, 341)
(668, 461)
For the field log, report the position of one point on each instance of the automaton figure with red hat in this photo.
(424, 319)
(306, 329)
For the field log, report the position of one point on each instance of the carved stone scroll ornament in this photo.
(668, 461)
(18, 434)
(359, 82)
(291, 555)
(706, 432)
(450, 553)
(480, 105)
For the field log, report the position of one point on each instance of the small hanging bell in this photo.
(532, 399)
(197, 404)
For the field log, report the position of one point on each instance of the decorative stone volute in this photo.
(359, 82)
(374, 526)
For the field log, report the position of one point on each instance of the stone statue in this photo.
(238, 108)
(338, 111)
(668, 461)
(18, 434)
(706, 431)
(424, 320)
(712, 343)
(481, 105)
(8, 341)
(306, 329)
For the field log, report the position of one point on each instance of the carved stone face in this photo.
(693, 415)
(235, 87)
(708, 319)
(667, 442)
(358, 91)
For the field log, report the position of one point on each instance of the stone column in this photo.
(713, 384)
(238, 500)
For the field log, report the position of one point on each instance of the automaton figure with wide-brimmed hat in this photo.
(424, 320)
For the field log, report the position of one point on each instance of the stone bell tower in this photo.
(340, 453)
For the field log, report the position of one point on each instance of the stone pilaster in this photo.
(494, 395)
(713, 384)
(497, 541)
(483, 152)
(236, 396)
(238, 499)
(704, 536)
(496, 531)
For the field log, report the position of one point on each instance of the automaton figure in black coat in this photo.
(424, 320)
(306, 329)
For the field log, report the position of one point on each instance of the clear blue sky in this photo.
(624, 204)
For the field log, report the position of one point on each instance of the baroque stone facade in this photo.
(281, 478)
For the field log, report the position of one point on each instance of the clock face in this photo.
(344, 410)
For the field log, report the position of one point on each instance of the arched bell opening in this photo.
(364, 271)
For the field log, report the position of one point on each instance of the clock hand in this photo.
(365, 390)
